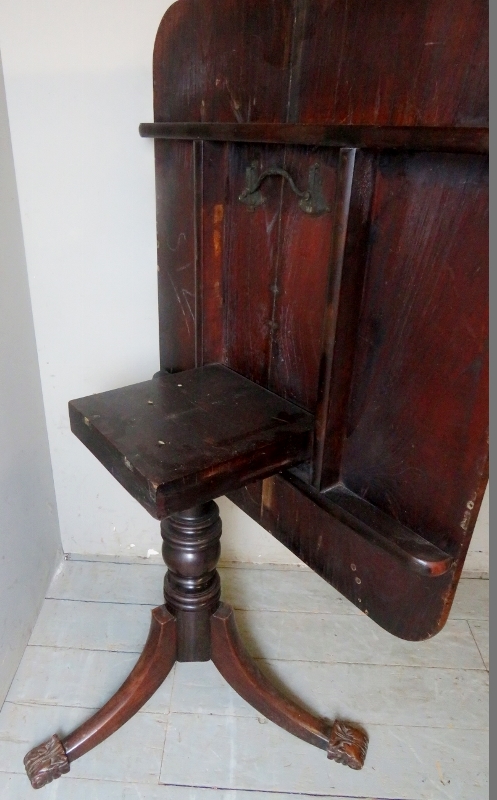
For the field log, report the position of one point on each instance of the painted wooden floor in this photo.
(423, 704)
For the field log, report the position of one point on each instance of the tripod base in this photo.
(194, 626)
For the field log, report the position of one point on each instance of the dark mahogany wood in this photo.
(151, 670)
(48, 761)
(373, 317)
(338, 341)
(240, 671)
(371, 137)
(179, 440)
(345, 177)
(343, 742)
(388, 572)
(324, 62)
(192, 587)
(416, 440)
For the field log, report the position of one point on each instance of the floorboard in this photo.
(424, 704)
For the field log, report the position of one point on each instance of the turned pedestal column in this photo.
(192, 588)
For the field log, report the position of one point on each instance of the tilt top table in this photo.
(322, 217)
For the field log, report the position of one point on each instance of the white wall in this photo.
(477, 560)
(30, 544)
(79, 81)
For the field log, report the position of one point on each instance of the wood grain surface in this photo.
(173, 442)
(373, 317)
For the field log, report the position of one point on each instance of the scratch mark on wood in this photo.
(181, 237)
(180, 303)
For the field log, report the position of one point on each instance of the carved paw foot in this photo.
(348, 745)
(46, 762)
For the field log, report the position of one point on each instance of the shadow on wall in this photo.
(30, 546)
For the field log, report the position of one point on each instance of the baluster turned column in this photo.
(192, 587)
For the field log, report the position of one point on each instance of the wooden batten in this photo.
(369, 137)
